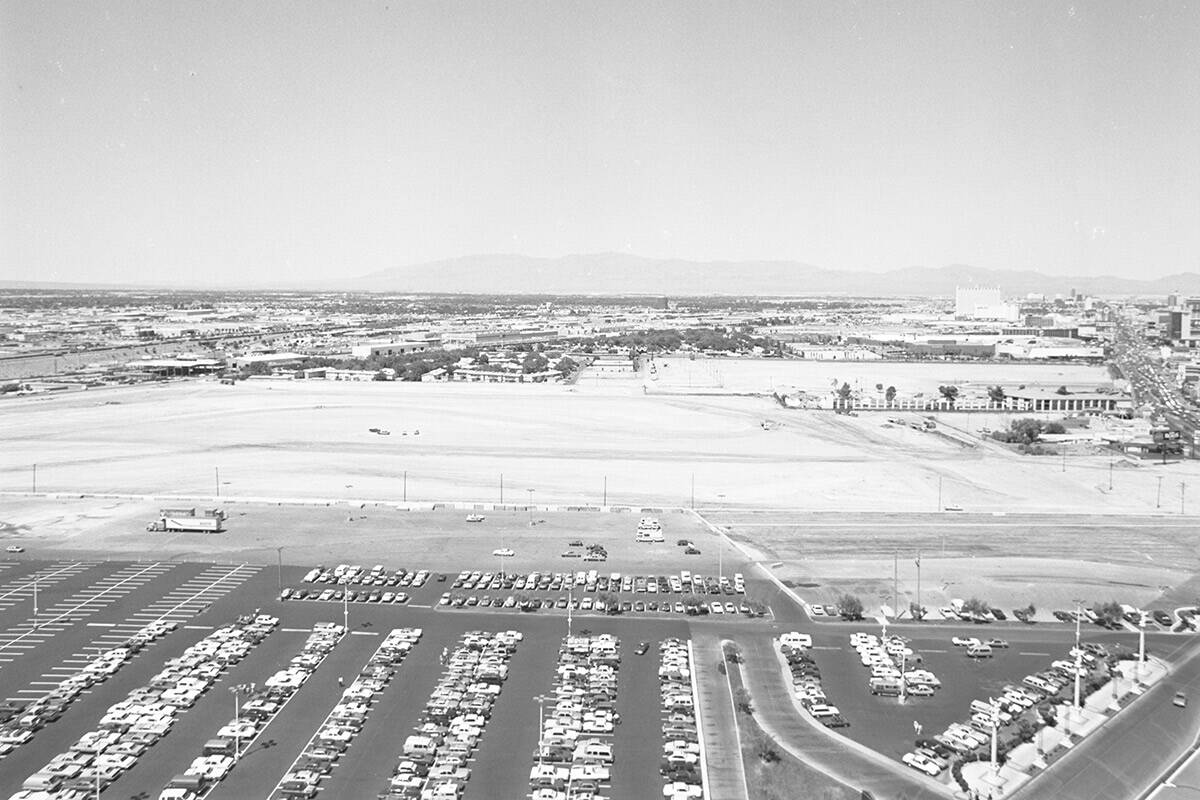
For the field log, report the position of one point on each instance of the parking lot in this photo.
(98, 606)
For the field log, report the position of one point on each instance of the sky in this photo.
(266, 142)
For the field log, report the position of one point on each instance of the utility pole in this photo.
(501, 488)
(1078, 651)
(896, 583)
(1064, 452)
(530, 507)
(1110, 470)
(405, 490)
(1182, 489)
(605, 503)
(217, 472)
(1158, 501)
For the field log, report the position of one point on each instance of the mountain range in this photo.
(619, 273)
(625, 274)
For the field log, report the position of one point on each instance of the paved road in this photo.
(854, 766)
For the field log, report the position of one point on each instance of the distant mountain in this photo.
(619, 273)
(624, 274)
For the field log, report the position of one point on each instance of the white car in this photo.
(14, 548)
(922, 763)
(504, 552)
(965, 641)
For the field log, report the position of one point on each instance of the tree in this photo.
(1108, 614)
(482, 359)
(879, 387)
(976, 607)
(851, 607)
(845, 392)
(996, 394)
(949, 392)
(566, 366)
(916, 612)
(890, 394)
(534, 362)
(1062, 390)
(741, 699)
(1054, 427)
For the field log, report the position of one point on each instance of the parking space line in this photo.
(1044, 655)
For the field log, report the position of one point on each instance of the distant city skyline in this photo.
(170, 142)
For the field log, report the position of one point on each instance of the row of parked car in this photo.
(574, 756)
(598, 605)
(894, 665)
(681, 768)
(221, 753)
(347, 717)
(19, 721)
(131, 726)
(356, 575)
(349, 595)
(1004, 709)
(433, 762)
(806, 680)
(594, 581)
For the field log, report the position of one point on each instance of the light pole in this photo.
(693, 491)
(605, 503)
(1158, 500)
(217, 478)
(530, 507)
(1182, 489)
(995, 730)
(1078, 652)
(920, 610)
(404, 490)
(35, 478)
(279, 567)
(1110, 470)
(346, 608)
(501, 488)
(541, 698)
(939, 505)
(35, 604)
(1141, 646)
(896, 583)
(237, 690)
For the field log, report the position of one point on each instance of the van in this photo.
(979, 651)
(188, 782)
(1035, 682)
(218, 747)
(595, 750)
(419, 745)
(887, 687)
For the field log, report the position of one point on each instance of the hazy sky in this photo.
(262, 141)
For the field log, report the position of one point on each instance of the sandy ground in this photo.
(311, 439)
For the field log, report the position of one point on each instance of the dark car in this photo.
(642, 648)
(692, 551)
(683, 542)
(999, 615)
(1162, 618)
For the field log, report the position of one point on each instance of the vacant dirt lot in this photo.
(311, 440)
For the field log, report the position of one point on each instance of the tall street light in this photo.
(279, 567)
(530, 507)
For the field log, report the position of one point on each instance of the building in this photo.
(397, 348)
(983, 303)
(1082, 402)
(1039, 349)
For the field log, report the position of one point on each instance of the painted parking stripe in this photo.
(1045, 655)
